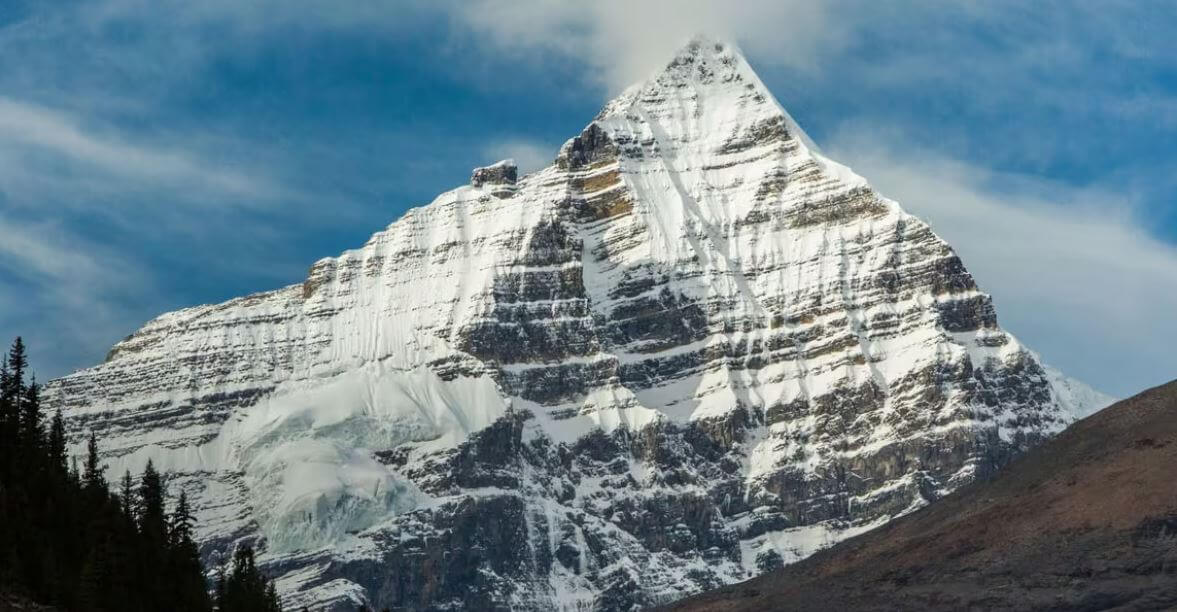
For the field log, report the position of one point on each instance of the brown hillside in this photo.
(1088, 521)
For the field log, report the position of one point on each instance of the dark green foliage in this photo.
(191, 592)
(150, 511)
(57, 451)
(67, 541)
(127, 496)
(30, 434)
(93, 475)
(245, 588)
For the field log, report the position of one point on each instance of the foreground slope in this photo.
(1088, 521)
(691, 349)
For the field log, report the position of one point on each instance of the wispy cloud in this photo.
(89, 218)
(27, 125)
(622, 41)
(66, 293)
(528, 155)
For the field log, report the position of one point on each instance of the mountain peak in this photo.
(701, 61)
(708, 100)
(702, 43)
(691, 313)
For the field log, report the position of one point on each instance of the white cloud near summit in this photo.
(529, 155)
(622, 40)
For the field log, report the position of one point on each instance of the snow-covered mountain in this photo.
(688, 351)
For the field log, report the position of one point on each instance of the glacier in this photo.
(689, 350)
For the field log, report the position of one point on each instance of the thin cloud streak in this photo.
(529, 155)
(64, 293)
(24, 124)
(616, 40)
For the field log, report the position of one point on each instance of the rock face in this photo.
(1086, 522)
(689, 351)
(502, 173)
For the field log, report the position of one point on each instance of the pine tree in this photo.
(191, 592)
(221, 589)
(57, 452)
(150, 510)
(9, 416)
(92, 474)
(271, 603)
(18, 363)
(31, 437)
(5, 376)
(246, 589)
(127, 497)
(65, 540)
(180, 525)
(14, 390)
(31, 434)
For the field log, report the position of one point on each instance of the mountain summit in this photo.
(688, 351)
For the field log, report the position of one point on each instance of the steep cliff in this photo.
(688, 351)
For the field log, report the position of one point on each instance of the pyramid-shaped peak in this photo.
(706, 90)
(706, 45)
(703, 59)
(707, 100)
(704, 64)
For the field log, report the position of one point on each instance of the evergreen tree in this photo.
(93, 471)
(30, 415)
(65, 540)
(31, 434)
(221, 589)
(127, 496)
(11, 387)
(5, 377)
(150, 511)
(153, 530)
(57, 451)
(180, 524)
(7, 418)
(246, 589)
(18, 363)
(191, 592)
(271, 603)
(14, 389)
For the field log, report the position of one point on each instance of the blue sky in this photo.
(164, 153)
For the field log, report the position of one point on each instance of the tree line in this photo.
(69, 542)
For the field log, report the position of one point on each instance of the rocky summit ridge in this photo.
(690, 350)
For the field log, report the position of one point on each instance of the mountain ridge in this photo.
(690, 349)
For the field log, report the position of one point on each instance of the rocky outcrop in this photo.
(690, 350)
(498, 178)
